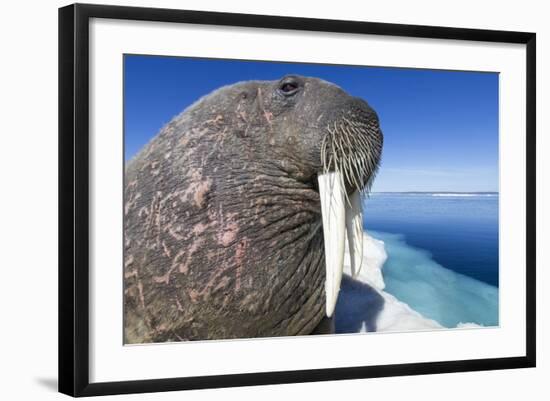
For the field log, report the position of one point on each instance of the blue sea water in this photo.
(442, 253)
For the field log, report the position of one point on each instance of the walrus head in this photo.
(248, 176)
(328, 139)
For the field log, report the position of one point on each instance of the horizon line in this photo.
(434, 192)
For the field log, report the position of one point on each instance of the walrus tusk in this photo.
(340, 219)
(354, 231)
(331, 191)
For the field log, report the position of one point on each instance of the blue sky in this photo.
(440, 127)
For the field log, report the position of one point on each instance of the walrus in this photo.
(236, 212)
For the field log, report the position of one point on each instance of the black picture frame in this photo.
(74, 198)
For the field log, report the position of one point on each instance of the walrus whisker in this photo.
(348, 143)
(344, 129)
(352, 161)
(349, 159)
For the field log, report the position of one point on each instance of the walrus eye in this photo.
(288, 88)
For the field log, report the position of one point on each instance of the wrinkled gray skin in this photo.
(223, 234)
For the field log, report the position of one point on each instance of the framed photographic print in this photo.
(249, 199)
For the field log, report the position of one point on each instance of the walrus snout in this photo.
(352, 145)
(350, 155)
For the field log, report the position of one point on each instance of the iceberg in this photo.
(418, 294)
(364, 306)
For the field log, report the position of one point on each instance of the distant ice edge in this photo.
(393, 315)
